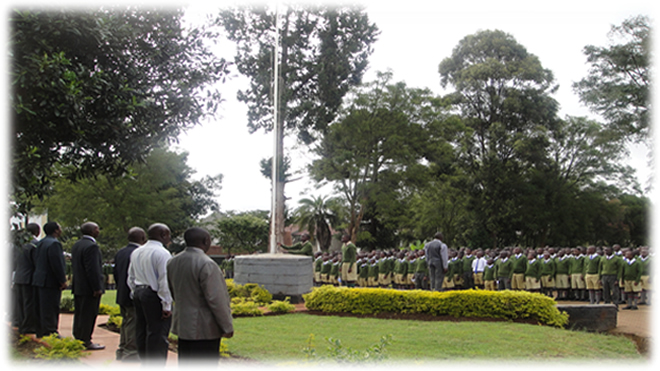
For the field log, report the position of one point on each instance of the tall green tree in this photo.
(96, 90)
(242, 232)
(159, 190)
(502, 93)
(375, 147)
(619, 79)
(323, 53)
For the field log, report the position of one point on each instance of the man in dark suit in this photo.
(437, 258)
(202, 313)
(50, 279)
(87, 285)
(127, 350)
(26, 293)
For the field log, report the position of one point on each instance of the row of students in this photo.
(568, 272)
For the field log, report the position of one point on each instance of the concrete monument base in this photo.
(281, 274)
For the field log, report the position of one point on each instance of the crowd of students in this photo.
(595, 274)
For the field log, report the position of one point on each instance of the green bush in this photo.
(66, 305)
(115, 319)
(64, 349)
(250, 291)
(109, 309)
(465, 303)
(278, 306)
(242, 307)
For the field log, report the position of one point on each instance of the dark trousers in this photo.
(503, 283)
(437, 277)
(199, 350)
(420, 283)
(468, 280)
(27, 309)
(86, 308)
(610, 288)
(151, 330)
(49, 310)
(127, 350)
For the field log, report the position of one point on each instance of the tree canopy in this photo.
(96, 90)
(159, 190)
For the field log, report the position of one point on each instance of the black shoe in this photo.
(634, 307)
(628, 307)
(92, 346)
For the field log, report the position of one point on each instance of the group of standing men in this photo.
(156, 292)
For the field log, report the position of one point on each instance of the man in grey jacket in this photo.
(437, 259)
(202, 313)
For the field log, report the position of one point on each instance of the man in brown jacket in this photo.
(202, 313)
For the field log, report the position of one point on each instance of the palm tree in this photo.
(317, 214)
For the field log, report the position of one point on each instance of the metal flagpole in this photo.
(274, 211)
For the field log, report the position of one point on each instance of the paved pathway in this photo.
(636, 322)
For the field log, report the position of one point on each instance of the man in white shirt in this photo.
(147, 279)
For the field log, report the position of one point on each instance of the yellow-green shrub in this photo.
(62, 349)
(242, 307)
(279, 306)
(465, 303)
(109, 309)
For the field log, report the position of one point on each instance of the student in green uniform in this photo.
(304, 247)
(632, 279)
(452, 274)
(466, 268)
(503, 270)
(363, 272)
(348, 262)
(591, 277)
(533, 273)
(318, 264)
(645, 261)
(335, 270)
(576, 272)
(373, 273)
(548, 272)
(561, 275)
(325, 270)
(610, 270)
(489, 275)
(421, 272)
(519, 267)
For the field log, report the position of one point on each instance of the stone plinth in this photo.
(592, 318)
(281, 274)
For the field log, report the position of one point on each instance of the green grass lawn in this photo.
(283, 338)
(108, 298)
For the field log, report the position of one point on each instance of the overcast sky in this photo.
(413, 41)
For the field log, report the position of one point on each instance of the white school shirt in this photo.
(478, 265)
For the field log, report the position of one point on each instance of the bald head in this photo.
(137, 235)
(198, 237)
(90, 229)
(159, 232)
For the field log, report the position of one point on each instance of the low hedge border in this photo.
(511, 305)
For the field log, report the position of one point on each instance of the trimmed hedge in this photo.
(465, 303)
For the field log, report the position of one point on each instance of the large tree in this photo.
(323, 53)
(159, 190)
(242, 232)
(318, 215)
(96, 90)
(619, 80)
(503, 95)
(375, 147)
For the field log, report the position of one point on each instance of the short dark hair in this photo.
(50, 228)
(33, 228)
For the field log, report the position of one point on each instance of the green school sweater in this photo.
(576, 264)
(519, 264)
(632, 270)
(489, 273)
(646, 265)
(548, 267)
(611, 266)
(534, 269)
(466, 265)
(591, 264)
(561, 265)
(503, 268)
